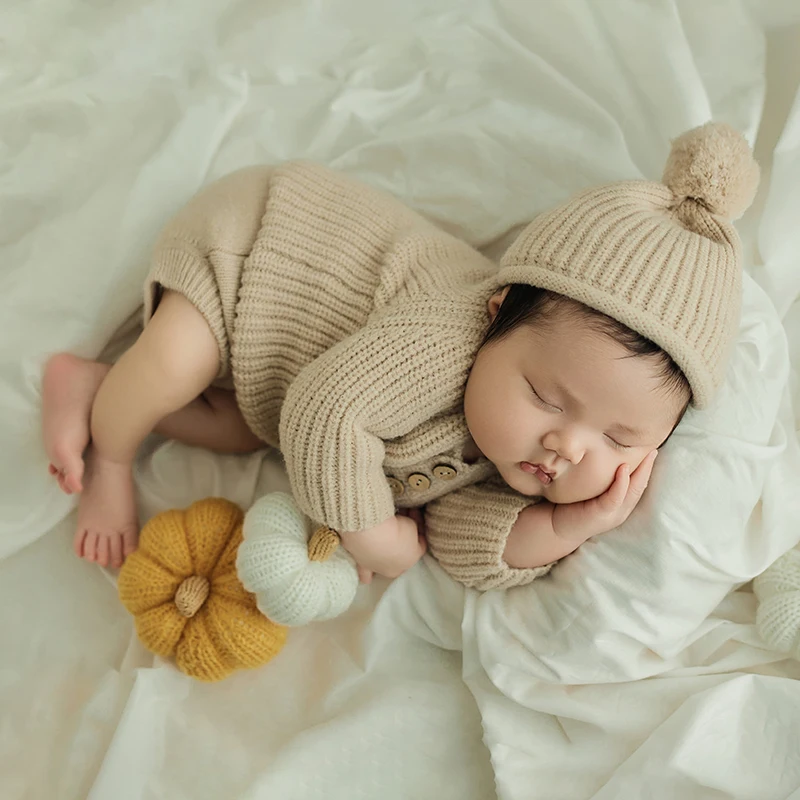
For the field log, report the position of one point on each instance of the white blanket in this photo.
(480, 114)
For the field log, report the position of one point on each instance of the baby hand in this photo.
(581, 521)
(388, 549)
(417, 514)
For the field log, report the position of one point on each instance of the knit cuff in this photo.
(467, 532)
(407, 366)
(179, 268)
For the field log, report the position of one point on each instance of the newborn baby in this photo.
(397, 369)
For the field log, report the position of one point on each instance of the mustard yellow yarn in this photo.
(188, 604)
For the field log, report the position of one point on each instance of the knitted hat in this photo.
(661, 258)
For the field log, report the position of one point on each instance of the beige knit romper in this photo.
(347, 325)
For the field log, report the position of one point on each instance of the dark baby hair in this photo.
(526, 305)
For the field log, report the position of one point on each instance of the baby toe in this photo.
(90, 546)
(102, 549)
(115, 550)
(62, 483)
(129, 541)
(73, 483)
(77, 542)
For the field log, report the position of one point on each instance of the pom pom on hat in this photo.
(713, 165)
(661, 258)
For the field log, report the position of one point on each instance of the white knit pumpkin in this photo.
(273, 562)
(778, 615)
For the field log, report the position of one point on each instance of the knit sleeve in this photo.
(404, 367)
(467, 532)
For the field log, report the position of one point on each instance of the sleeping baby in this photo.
(397, 369)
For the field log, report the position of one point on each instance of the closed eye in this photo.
(618, 445)
(542, 403)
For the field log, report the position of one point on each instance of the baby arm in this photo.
(533, 541)
(337, 414)
(389, 548)
(544, 533)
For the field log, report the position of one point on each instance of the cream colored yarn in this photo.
(662, 258)
(713, 166)
(778, 616)
(291, 587)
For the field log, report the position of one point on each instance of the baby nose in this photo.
(566, 445)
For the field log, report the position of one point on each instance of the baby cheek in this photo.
(520, 422)
(507, 420)
(491, 430)
(600, 471)
(633, 460)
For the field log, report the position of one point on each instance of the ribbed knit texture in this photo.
(349, 324)
(662, 258)
(202, 251)
(489, 511)
(618, 249)
(182, 554)
(274, 564)
(778, 615)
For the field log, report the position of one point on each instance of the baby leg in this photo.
(172, 362)
(213, 421)
(68, 389)
(70, 384)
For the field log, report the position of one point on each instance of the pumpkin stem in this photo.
(191, 595)
(322, 544)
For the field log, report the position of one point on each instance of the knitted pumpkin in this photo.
(297, 576)
(187, 601)
(778, 615)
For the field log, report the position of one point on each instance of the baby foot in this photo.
(68, 389)
(108, 525)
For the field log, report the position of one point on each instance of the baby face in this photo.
(559, 407)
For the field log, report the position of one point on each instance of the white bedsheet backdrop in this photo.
(480, 114)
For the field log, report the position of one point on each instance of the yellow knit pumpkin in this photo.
(187, 601)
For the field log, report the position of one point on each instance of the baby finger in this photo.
(365, 575)
(639, 481)
(641, 477)
(618, 490)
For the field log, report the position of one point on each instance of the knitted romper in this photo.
(347, 325)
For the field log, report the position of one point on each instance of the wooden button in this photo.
(444, 472)
(396, 486)
(419, 482)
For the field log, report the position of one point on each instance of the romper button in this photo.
(444, 471)
(419, 481)
(396, 486)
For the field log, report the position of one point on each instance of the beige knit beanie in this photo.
(661, 258)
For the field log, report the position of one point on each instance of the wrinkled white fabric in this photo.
(480, 114)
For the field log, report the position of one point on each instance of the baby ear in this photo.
(496, 300)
